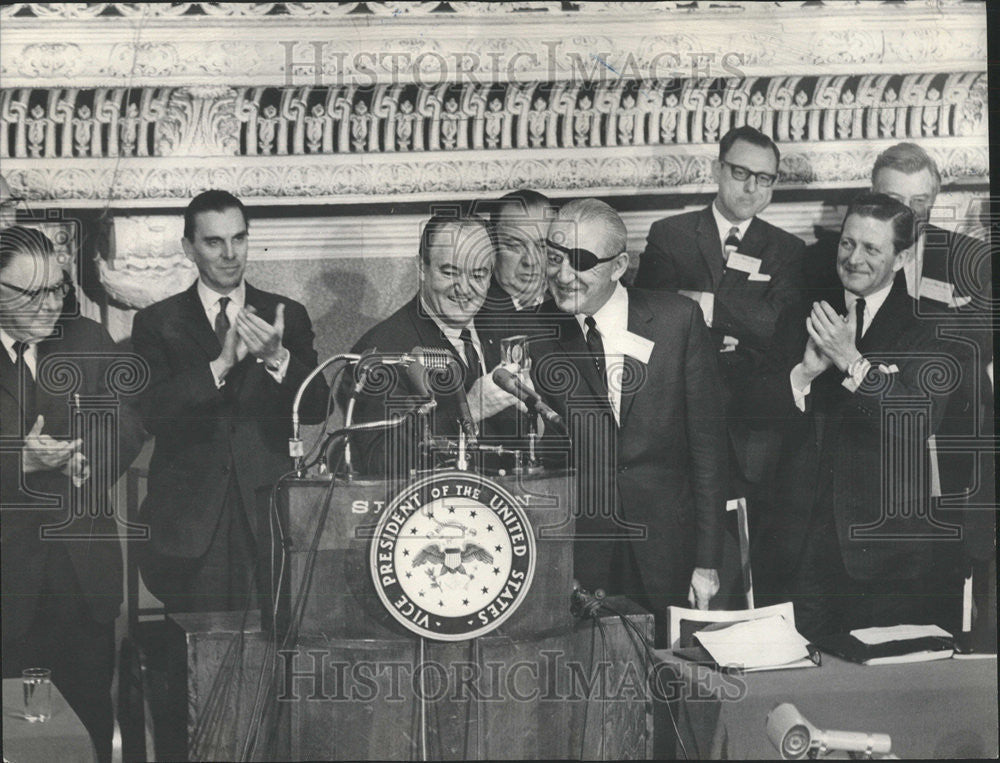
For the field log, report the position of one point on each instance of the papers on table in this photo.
(872, 636)
(762, 644)
(893, 645)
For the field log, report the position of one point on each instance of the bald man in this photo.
(646, 419)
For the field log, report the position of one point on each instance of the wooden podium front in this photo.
(356, 685)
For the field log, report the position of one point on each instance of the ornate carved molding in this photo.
(227, 121)
(363, 44)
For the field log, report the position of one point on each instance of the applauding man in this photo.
(225, 362)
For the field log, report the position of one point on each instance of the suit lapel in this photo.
(891, 319)
(194, 319)
(752, 243)
(710, 246)
(639, 317)
(573, 344)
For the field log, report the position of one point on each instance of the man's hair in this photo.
(879, 206)
(524, 203)
(908, 158)
(440, 221)
(750, 135)
(586, 210)
(211, 201)
(17, 239)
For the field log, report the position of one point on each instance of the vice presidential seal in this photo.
(453, 556)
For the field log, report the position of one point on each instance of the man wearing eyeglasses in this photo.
(743, 272)
(60, 596)
(645, 418)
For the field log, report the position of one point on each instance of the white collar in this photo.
(873, 302)
(210, 298)
(724, 225)
(612, 317)
(8, 344)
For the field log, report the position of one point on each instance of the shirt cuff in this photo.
(707, 303)
(856, 373)
(217, 376)
(278, 374)
(799, 394)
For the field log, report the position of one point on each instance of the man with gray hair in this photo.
(646, 419)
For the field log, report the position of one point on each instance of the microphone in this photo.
(416, 372)
(510, 384)
(796, 738)
(443, 361)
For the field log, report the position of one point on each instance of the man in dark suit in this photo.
(634, 374)
(456, 260)
(62, 564)
(861, 384)
(743, 272)
(225, 362)
(520, 220)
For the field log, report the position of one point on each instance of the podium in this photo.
(352, 683)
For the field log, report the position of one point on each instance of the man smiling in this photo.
(226, 360)
(645, 415)
(853, 540)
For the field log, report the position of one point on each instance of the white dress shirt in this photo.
(30, 354)
(454, 337)
(612, 323)
(914, 267)
(210, 301)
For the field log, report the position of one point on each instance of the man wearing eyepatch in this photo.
(743, 272)
(634, 374)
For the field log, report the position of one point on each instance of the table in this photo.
(942, 709)
(62, 737)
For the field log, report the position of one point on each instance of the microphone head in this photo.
(443, 372)
(789, 731)
(505, 380)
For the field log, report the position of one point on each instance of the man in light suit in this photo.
(858, 390)
(743, 272)
(61, 583)
(645, 417)
(456, 257)
(225, 361)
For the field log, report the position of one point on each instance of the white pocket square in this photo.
(890, 369)
(758, 277)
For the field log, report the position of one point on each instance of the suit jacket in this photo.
(841, 453)
(410, 327)
(665, 468)
(45, 496)
(684, 252)
(204, 433)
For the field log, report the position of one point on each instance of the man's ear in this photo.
(188, 249)
(902, 258)
(620, 266)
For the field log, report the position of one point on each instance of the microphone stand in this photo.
(295, 447)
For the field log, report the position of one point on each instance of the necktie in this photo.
(473, 368)
(222, 320)
(24, 372)
(732, 243)
(859, 320)
(596, 346)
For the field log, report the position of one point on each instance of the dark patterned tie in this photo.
(859, 322)
(596, 346)
(733, 241)
(473, 368)
(222, 320)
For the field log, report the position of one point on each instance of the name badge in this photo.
(743, 262)
(636, 346)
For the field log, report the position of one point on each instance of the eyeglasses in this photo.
(741, 173)
(60, 290)
(579, 259)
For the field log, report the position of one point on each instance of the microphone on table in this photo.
(510, 384)
(797, 738)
